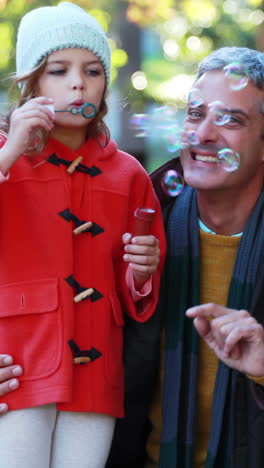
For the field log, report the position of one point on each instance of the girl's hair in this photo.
(27, 90)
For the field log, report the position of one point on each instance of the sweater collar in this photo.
(204, 228)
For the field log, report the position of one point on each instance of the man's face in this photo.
(202, 168)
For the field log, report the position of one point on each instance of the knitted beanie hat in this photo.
(50, 28)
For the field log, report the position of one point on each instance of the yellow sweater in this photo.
(218, 255)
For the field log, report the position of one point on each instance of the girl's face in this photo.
(71, 78)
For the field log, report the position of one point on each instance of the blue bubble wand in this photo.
(82, 110)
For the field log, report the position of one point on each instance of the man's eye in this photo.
(233, 119)
(194, 114)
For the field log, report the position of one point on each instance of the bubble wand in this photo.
(81, 110)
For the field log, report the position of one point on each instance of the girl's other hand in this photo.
(142, 253)
(8, 378)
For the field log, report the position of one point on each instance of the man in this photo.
(213, 399)
(211, 388)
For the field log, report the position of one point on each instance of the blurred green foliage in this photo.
(186, 30)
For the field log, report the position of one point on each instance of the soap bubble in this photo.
(229, 159)
(195, 98)
(36, 143)
(140, 123)
(172, 183)
(238, 75)
(160, 124)
(173, 139)
(190, 138)
(220, 113)
(164, 115)
(163, 126)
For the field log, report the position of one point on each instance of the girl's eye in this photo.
(56, 72)
(93, 72)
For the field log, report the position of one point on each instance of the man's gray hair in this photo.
(251, 59)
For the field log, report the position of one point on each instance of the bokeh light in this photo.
(139, 80)
(171, 49)
(193, 43)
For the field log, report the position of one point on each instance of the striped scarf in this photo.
(181, 291)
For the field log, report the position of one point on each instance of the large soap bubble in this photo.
(229, 159)
(172, 183)
(238, 75)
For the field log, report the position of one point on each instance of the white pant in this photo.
(43, 437)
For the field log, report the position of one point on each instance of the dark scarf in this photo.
(182, 290)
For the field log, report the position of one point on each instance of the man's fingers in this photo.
(202, 326)
(208, 310)
(253, 331)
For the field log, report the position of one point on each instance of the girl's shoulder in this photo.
(129, 159)
(131, 164)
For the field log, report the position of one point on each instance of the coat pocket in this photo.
(114, 343)
(30, 326)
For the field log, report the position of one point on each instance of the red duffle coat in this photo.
(44, 265)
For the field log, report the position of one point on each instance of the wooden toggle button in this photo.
(83, 227)
(81, 360)
(74, 164)
(83, 295)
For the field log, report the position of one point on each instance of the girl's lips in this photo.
(77, 103)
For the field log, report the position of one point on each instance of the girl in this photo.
(65, 279)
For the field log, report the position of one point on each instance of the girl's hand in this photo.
(23, 122)
(142, 255)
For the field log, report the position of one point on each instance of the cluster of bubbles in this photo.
(163, 121)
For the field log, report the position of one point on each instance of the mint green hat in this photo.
(47, 29)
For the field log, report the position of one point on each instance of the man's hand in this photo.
(8, 380)
(234, 335)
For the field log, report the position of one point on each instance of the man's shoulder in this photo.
(157, 178)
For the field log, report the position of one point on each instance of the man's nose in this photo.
(207, 130)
